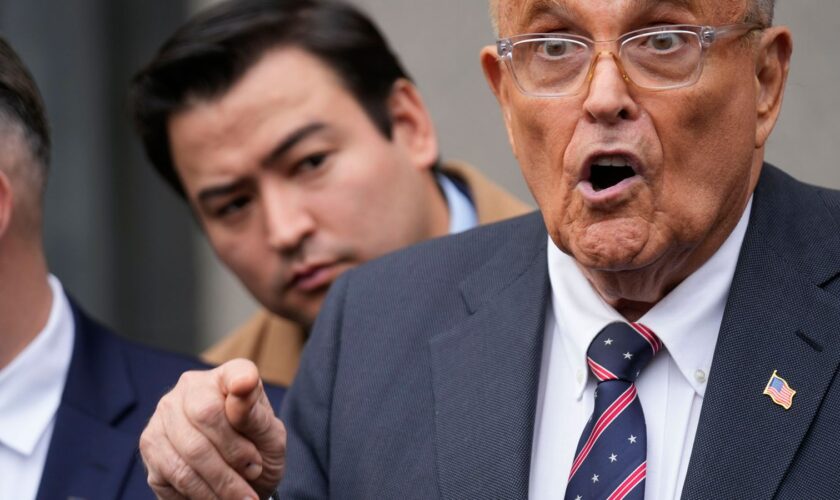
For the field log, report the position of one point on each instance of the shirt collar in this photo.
(32, 384)
(462, 214)
(687, 320)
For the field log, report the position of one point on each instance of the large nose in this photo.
(609, 100)
(288, 219)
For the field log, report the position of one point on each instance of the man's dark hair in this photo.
(21, 103)
(213, 50)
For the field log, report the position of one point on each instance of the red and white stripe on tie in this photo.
(649, 336)
(600, 371)
(633, 480)
(612, 412)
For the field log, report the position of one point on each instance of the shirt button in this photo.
(581, 375)
(700, 376)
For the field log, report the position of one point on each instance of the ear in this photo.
(771, 71)
(6, 203)
(411, 124)
(496, 76)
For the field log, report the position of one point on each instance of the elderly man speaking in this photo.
(665, 327)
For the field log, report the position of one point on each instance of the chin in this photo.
(612, 245)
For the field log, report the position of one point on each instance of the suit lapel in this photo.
(88, 457)
(486, 372)
(777, 318)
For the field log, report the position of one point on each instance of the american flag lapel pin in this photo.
(779, 391)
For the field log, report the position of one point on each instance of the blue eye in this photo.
(665, 42)
(556, 48)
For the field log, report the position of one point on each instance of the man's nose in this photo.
(608, 99)
(288, 220)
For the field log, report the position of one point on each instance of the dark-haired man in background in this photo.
(73, 396)
(303, 148)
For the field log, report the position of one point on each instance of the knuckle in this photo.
(203, 411)
(183, 380)
(241, 453)
(183, 478)
(147, 443)
(163, 406)
(195, 449)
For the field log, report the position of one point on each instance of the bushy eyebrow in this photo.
(291, 141)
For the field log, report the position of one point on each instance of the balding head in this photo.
(24, 140)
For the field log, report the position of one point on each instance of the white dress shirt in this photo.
(462, 214)
(30, 391)
(670, 389)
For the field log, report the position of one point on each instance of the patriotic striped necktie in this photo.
(610, 462)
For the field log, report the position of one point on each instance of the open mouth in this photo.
(607, 171)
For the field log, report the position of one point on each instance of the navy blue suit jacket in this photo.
(112, 388)
(420, 377)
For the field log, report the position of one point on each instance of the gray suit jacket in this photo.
(420, 378)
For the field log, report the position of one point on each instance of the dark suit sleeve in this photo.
(307, 409)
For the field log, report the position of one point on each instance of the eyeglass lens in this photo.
(559, 66)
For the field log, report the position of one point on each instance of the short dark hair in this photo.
(213, 50)
(21, 102)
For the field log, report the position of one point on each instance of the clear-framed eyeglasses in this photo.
(658, 58)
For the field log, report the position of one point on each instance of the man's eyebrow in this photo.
(650, 4)
(218, 191)
(539, 8)
(290, 141)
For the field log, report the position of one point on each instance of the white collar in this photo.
(687, 320)
(462, 214)
(32, 384)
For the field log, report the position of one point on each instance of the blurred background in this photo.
(128, 249)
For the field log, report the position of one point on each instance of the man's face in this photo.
(694, 152)
(293, 183)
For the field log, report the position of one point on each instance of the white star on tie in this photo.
(613, 458)
(627, 355)
(594, 478)
(578, 497)
(608, 342)
(596, 393)
(632, 439)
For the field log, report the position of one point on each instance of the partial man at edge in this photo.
(74, 397)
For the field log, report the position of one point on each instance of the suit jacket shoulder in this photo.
(782, 316)
(112, 388)
(422, 367)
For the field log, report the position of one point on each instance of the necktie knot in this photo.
(621, 351)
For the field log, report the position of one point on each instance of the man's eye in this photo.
(665, 42)
(233, 206)
(312, 162)
(556, 48)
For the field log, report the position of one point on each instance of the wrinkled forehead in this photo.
(517, 16)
